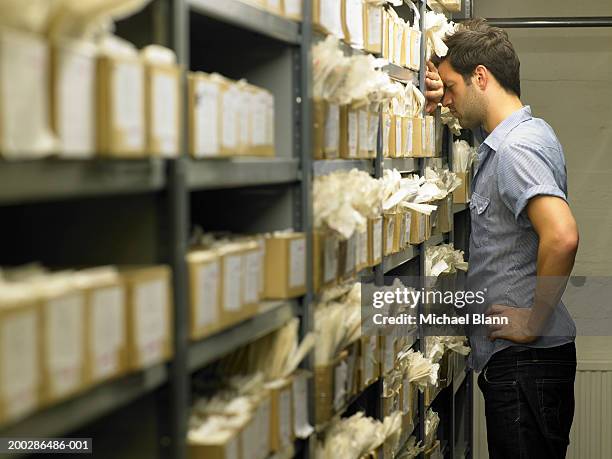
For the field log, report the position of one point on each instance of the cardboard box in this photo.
(263, 123)
(364, 133)
(396, 144)
(348, 260)
(463, 193)
(230, 98)
(362, 244)
(105, 325)
(417, 138)
(231, 261)
(148, 315)
(399, 52)
(385, 35)
(319, 109)
(326, 130)
(204, 270)
(341, 377)
(285, 266)
(20, 356)
(353, 386)
(163, 110)
(353, 22)
(387, 346)
(276, 6)
(262, 416)
(387, 124)
(370, 360)
(375, 240)
(373, 126)
(434, 452)
(389, 233)
(408, 46)
(73, 98)
(415, 41)
(430, 135)
(373, 25)
(63, 338)
(444, 212)
(300, 381)
(281, 415)
(121, 107)
(418, 226)
(349, 132)
(204, 101)
(24, 97)
(398, 232)
(327, 17)
(226, 447)
(407, 136)
(251, 277)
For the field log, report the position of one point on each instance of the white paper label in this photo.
(374, 25)
(108, 329)
(285, 420)
(398, 136)
(128, 103)
(407, 223)
(243, 119)
(362, 248)
(377, 230)
(402, 241)
(259, 120)
(363, 131)
(331, 259)
(231, 448)
(232, 282)
(269, 100)
(408, 42)
(229, 103)
(64, 343)
(423, 135)
(353, 132)
(252, 277)
(372, 131)
(350, 255)
(386, 134)
(331, 17)
(354, 17)
(421, 227)
(390, 231)
(408, 137)
(432, 136)
(207, 305)
(151, 320)
(416, 51)
(293, 8)
(165, 113)
(297, 263)
(340, 376)
(206, 119)
(391, 39)
(399, 42)
(274, 5)
(301, 424)
(332, 128)
(76, 95)
(19, 363)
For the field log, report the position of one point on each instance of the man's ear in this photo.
(481, 77)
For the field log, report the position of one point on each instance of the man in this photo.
(522, 246)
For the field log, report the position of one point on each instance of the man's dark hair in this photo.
(477, 43)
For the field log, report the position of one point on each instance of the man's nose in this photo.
(446, 100)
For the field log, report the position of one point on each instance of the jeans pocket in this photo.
(499, 375)
(556, 403)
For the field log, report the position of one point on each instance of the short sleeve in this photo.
(524, 172)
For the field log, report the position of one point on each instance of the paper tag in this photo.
(416, 50)
(408, 137)
(284, 422)
(372, 131)
(19, 363)
(244, 119)
(150, 320)
(423, 135)
(297, 263)
(398, 136)
(432, 135)
(408, 43)
(332, 128)
(259, 120)
(252, 277)
(301, 424)
(232, 281)
(64, 342)
(363, 130)
(354, 17)
(353, 132)
(374, 25)
(407, 223)
(331, 259)
(386, 134)
(274, 6)
(331, 17)
(206, 119)
(229, 106)
(350, 255)
(207, 305)
(390, 232)
(377, 230)
(165, 112)
(340, 377)
(108, 329)
(391, 39)
(261, 254)
(402, 237)
(362, 248)
(77, 101)
(399, 41)
(421, 227)
(128, 102)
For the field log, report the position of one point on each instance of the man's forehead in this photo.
(446, 71)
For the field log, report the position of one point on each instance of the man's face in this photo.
(466, 102)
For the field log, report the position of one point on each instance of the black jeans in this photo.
(529, 401)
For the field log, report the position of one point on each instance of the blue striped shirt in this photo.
(522, 158)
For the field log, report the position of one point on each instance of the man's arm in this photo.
(557, 230)
(434, 88)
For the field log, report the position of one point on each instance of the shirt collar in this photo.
(495, 138)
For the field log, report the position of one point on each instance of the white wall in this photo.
(566, 76)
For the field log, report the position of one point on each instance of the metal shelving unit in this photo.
(327, 166)
(396, 260)
(402, 164)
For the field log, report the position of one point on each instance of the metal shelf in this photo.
(402, 74)
(327, 166)
(52, 179)
(77, 412)
(402, 164)
(272, 315)
(249, 17)
(397, 259)
(207, 174)
(459, 208)
(435, 240)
